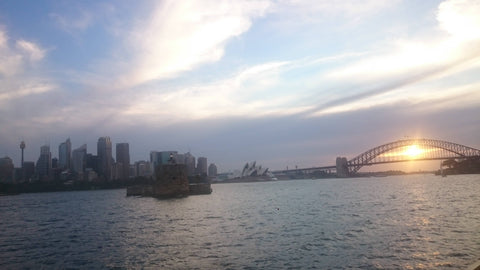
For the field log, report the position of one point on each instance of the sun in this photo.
(413, 151)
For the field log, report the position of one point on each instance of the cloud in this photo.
(180, 35)
(15, 59)
(18, 69)
(460, 18)
(81, 21)
(34, 52)
(25, 90)
(233, 96)
(294, 13)
(402, 65)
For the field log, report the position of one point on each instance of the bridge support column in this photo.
(342, 168)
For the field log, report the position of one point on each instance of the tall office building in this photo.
(143, 168)
(44, 163)
(28, 170)
(79, 158)
(6, 169)
(202, 166)
(180, 158)
(161, 157)
(123, 160)
(212, 170)
(190, 162)
(65, 155)
(104, 153)
(92, 163)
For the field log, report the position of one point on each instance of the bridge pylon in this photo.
(342, 167)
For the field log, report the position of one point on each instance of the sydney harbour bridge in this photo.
(398, 151)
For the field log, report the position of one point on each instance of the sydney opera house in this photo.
(252, 170)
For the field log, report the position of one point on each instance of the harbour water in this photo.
(398, 222)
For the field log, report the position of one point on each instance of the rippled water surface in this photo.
(407, 222)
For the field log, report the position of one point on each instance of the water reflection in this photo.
(415, 222)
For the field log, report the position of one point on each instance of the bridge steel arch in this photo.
(366, 158)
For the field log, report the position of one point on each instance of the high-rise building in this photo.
(212, 170)
(92, 163)
(190, 162)
(104, 152)
(202, 166)
(44, 163)
(123, 157)
(79, 158)
(161, 157)
(154, 158)
(180, 158)
(65, 155)
(6, 169)
(143, 168)
(28, 170)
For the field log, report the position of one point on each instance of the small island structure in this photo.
(171, 181)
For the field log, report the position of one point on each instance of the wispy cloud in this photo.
(405, 64)
(294, 13)
(32, 50)
(72, 24)
(460, 18)
(180, 35)
(26, 90)
(233, 96)
(17, 68)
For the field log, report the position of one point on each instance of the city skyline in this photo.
(285, 83)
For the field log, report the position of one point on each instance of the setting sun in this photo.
(413, 151)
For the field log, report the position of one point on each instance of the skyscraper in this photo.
(104, 152)
(202, 166)
(162, 157)
(212, 170)
(6, 169)
(44, 163)
(79, 158)
(65, 155)
(123, 157)
(190, 162)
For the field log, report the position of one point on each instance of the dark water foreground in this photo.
(405, 222)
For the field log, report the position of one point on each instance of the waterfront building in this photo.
(180, 158)
(132, 171)
(123, 160)
(202, 166)
(28, 170)
(90, 174)
(79, 158)
(252, 169)
(117, 171)
(212, 170)
(65, 155)
(44, 163)
(154, 158)
(6, 169)
(161, 157)
(190, 163)
(92, 162)
(143, 168)
(104, 152)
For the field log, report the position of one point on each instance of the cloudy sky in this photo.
(286, 82)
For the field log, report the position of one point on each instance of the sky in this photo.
(285, 83)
